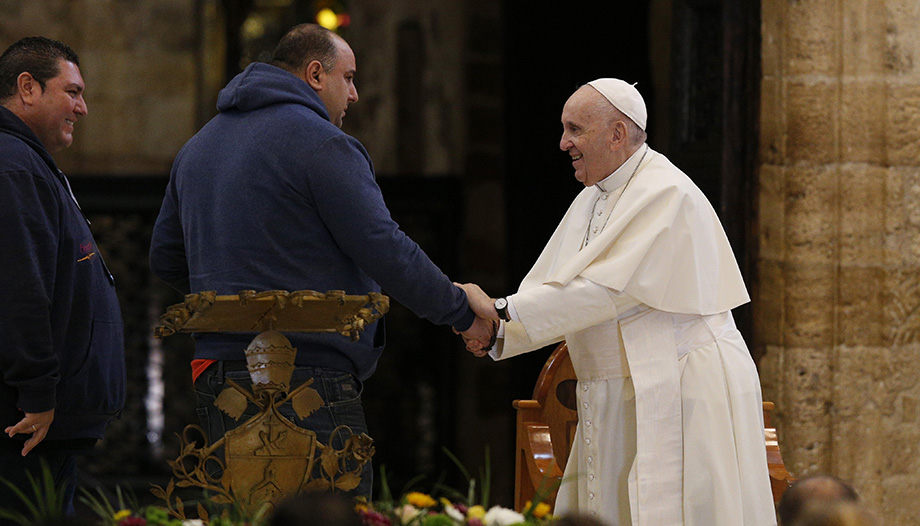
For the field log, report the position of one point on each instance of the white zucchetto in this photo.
(624, 97)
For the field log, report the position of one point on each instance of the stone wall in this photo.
(838, 288)
(139, 63)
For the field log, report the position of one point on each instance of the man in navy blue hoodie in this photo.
(62, 370)
(271, 194)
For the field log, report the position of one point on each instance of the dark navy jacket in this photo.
(61, 335)
(270, 195)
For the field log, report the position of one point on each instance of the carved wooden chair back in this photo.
(546, 429)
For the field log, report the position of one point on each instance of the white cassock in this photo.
(640, 280)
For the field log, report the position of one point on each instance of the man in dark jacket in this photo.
(271, 194)
(62, 351)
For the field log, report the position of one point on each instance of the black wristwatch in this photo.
(501, 306)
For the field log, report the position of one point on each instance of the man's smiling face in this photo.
(586, 133)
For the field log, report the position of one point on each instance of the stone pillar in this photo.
(838, 287)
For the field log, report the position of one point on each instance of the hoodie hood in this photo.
(261, 85)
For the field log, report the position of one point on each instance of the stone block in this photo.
(807, 448)
(902, 41)
(863, 208)
(769, 306)
(810, 296)
(903, 359)
(862, 122)
(772, 121)
(859, 450)
(812, 35)
(863, 39)
(902, 445)
(903, 124)
(865, 395)
(773, 35)
(861, 307)
(899, 499)
(812, 120)
(898, 229)
(811, 214)
(771, 211)
(902, 306)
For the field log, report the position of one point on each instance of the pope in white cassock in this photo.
(640, 280)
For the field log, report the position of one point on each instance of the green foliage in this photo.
(45, 503)
(437, 520)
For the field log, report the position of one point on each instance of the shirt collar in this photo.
(622, 174)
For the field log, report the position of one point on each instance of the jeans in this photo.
(62, 464)
(340, 391)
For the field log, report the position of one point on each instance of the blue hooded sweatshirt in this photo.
(270, 195)
(62, 344)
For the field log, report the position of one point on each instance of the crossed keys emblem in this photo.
(267, 457)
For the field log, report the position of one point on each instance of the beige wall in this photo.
(139, 63)
(838, 290)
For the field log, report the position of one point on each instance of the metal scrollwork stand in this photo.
(268, 457)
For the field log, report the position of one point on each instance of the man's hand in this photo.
(480, 337)
(480, 302)
(36, 424)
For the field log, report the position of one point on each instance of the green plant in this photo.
(46, 502)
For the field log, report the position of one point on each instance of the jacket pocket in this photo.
(98, 385)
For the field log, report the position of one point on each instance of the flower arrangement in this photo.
(415, 508)
(420, 509)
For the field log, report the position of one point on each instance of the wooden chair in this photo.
(546, 429)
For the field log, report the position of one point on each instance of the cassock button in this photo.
(591, 476)
(594, 230)
(591, 496)
(599, 212)
(588, 423)
(584, 387)
(588, 441)
(590, 460)
(585, 405)
(604, 197)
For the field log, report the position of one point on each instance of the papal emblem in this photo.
(268, 457)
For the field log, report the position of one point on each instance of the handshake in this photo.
(481, 335)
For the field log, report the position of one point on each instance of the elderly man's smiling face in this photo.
(587, 134)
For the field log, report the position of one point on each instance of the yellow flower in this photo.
(420, 500)
(540, 511)
(122, 515)
(476, 512)
(360, 507)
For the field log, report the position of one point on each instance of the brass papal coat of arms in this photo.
(268, 457)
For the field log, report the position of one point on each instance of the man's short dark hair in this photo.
(304, 44)
(39, 56)
(826, 489)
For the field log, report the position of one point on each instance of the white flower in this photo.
(407, 513)
(454, 513)
(498, 516)
(193, 522)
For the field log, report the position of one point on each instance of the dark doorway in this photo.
(696, 63)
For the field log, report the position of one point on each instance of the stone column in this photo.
(837, 303)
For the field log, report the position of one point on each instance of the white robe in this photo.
(670, 425)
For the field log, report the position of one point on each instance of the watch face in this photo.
(501, 303)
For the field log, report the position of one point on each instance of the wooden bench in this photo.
(546, 428)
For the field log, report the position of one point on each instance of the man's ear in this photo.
(618, 135)
(315, 75)
(27, 88)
